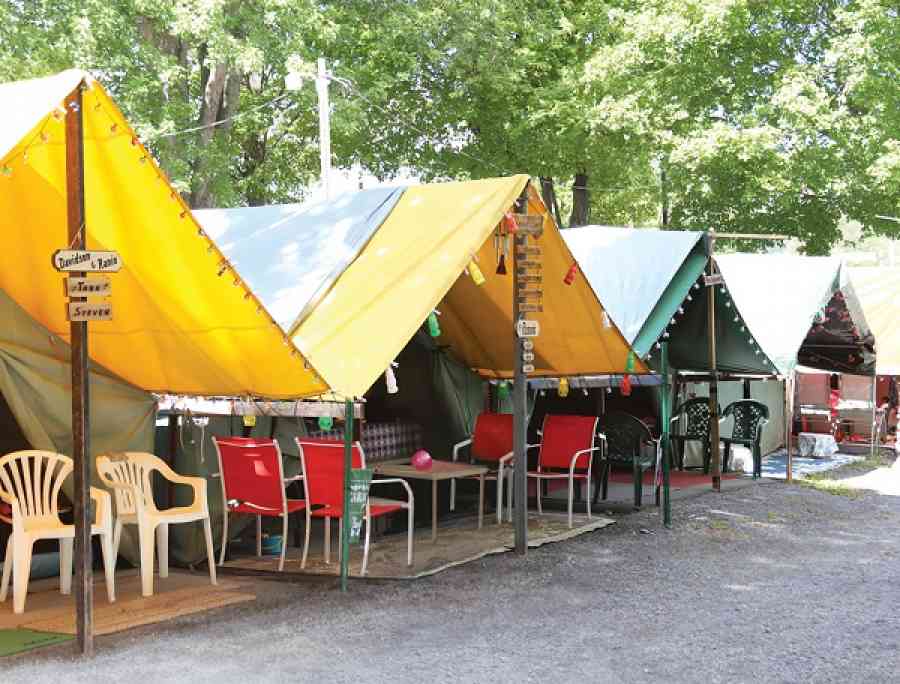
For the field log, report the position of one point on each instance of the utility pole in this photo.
(324, 127)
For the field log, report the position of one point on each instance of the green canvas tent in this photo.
(655, 292)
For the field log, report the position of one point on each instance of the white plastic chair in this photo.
(30, 482)
(128, 475)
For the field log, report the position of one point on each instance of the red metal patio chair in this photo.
(566, 451)
(491, 444)
(324, 469)
(253, 483)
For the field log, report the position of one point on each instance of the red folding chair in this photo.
(491, 444)
(323, 461)
(566, 451)
(253, 483)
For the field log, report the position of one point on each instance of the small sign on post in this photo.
(360, 479)
(86, 261)
(101, 286)
(714, 279)
(526, 328)
(80, 312)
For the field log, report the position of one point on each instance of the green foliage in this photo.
(780, 116)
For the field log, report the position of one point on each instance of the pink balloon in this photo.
(421, 460)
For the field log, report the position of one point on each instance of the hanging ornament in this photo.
(625, 386)
(475, 273)
(503, 391)
(501, 265)
(391, 380)
(563, 388)
(571, 273)
(326, 423)
(434, 327)
(629, 362)
(509, 222)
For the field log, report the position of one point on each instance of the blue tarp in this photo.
(290, 254)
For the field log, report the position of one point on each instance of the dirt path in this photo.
(766, 583)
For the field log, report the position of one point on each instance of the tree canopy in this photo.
(737, 115)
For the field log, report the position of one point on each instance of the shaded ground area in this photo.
(765, 582)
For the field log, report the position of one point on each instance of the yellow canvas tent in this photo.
(184, 322)
(876, 289)
(413, 265)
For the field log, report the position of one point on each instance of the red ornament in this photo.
(510, 222)
(625, 386)
(571, 273)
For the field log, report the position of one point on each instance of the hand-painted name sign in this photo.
(714, 279)
(87, 261)
(80, 312)
(100, 286)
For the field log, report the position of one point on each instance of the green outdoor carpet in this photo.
(13, 641)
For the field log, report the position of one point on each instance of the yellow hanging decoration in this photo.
(249, 421)
(475, 272)
(563, 387)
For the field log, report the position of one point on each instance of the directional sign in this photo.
(100, 286)
(79, 312)
(526, 328)
(531, 224)
(88, 261)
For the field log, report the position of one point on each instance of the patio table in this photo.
(815, 445)
(440, 470)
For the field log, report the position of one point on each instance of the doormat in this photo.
(13, 641)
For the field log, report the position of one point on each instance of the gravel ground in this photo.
(763, 583)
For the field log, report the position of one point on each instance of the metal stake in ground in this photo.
(84, 581)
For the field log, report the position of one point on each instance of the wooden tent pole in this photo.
(713, 382)
(665, 414)
(348, 466)
(520, 414)
(789, 380)
(81, 437)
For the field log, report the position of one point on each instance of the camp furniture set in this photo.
(30, 484)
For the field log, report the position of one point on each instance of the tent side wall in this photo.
(769, 392)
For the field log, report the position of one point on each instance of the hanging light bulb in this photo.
(666, 334)
(475, 273)
(727, 304)
(659, 345)
(571, 273)
(736, 318)
(696, 286)
(672, 322)
(585, 390)
(681, 310)
(543, 393)
(390, 380)
(563, 389)
(690, 298)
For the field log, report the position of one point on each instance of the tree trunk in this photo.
(664, 189)
(580, 202)
(210, 110)
(548, 192)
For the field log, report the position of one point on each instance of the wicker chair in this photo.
(749, 419)
(627, 439)
(696, 413)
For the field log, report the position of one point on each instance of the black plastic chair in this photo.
(627, 442)
(696, 411)
(749, 419)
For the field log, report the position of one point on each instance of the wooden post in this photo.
(348, 465)
(873, 433)
(789, 423)
(713, 381)
(81, 436)
(520, 418)
(665, 415)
